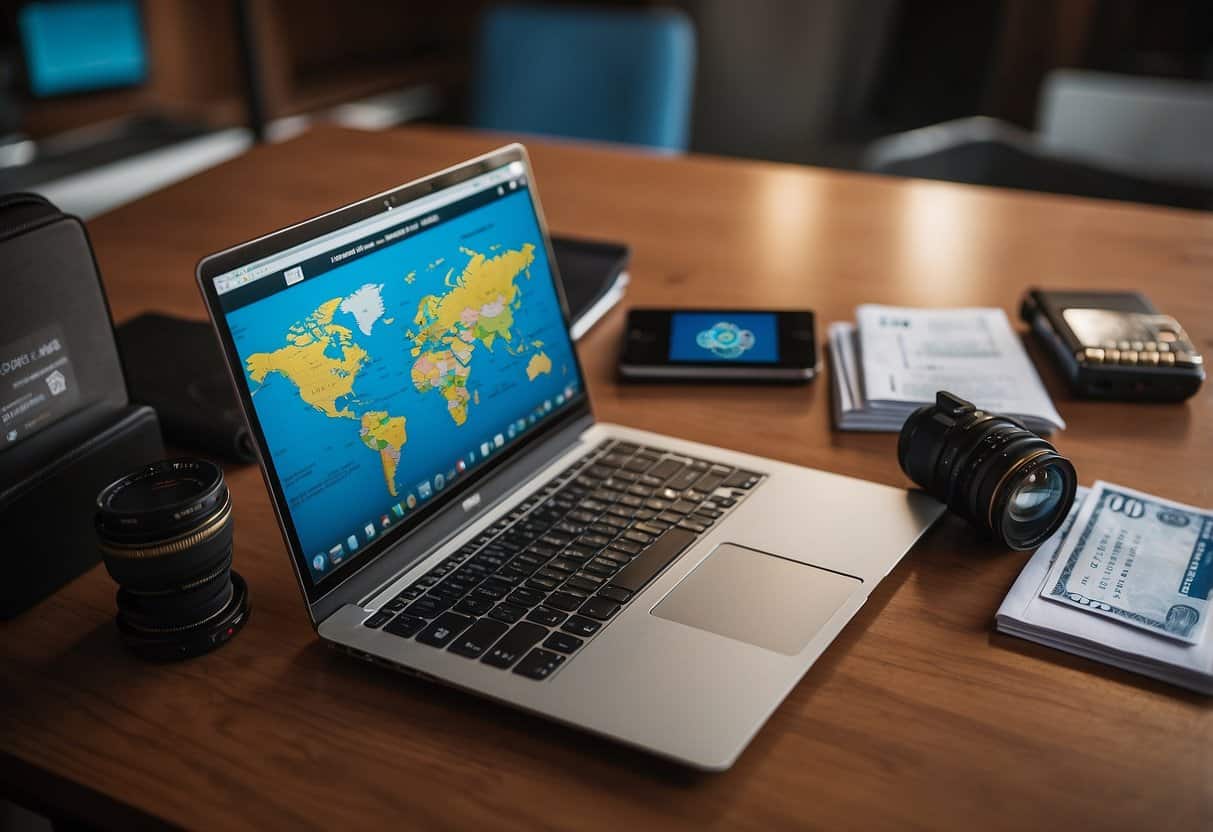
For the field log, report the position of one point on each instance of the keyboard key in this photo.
(698, 528)
(649, 528)
(443, 629)
(684, 479)
(542, 584)
(626, 546)
(576, 552)
(708, 483)
(617, 558)
(563, 565)
(601, 570)
(473, 606)
(666, 468)
(579, 626)
(379, 619)
(547, 617)
(638, 464)
(526, 597)
(614, 593)
(507, 612)
(565, 601)
(703, 519)
(426, 607)
(590, 578)
(446, 592)
(638, 537)
(580, 584)
(527, 562)
(487, 592)
(522, 637)
(511, 575)
(594, 542)
(741, 479)
(395, 605)
(479, 637)
(551, 574)
(563, 642)
(652, 560)
(539, 664)
(405, 625)
(599, 608)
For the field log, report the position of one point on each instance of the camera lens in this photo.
(165, 532)
(990, 469)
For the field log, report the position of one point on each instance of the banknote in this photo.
(1139, 559)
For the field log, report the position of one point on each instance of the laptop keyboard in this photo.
(531, 590)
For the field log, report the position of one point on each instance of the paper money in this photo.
(1141, 560)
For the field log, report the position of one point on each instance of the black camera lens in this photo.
(990, 469)
(165, 532)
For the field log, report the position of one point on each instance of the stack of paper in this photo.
(1126, 582)
(894, 360)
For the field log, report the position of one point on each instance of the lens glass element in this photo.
(1035, 501)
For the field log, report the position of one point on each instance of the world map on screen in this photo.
(410, 360)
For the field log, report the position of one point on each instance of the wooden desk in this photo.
(918, 715)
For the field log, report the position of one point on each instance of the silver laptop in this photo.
(453, 510)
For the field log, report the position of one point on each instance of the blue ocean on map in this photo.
(333, 482)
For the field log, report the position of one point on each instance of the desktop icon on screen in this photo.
(423, 490)
(411, 501)
(439, 482)
(352, 543)
(336, 553)
(318, 563)
(398, 510)
(511, 431)
(370, 530)
(484, 449)
(498, 441)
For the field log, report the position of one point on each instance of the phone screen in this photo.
(751, 337)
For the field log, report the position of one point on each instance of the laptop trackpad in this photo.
(756, 597)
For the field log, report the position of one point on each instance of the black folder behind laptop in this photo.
(175, 365)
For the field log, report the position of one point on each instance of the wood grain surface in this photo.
(918, 716)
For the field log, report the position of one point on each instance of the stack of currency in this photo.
(1125, 581)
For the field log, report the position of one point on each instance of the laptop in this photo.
(453, 510)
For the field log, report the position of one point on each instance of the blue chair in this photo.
(607, 75)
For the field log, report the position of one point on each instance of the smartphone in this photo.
(733, 345)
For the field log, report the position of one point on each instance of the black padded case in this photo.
(67, 427)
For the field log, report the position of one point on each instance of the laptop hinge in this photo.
(435, 532)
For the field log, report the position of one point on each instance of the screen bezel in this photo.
(647, 340)
(279, 241)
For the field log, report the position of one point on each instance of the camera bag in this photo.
(67, 427)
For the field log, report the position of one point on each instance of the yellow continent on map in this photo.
(478, 308)
(320, 358)
(385, 434)
(538, 365)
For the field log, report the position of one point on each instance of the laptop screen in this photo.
(391, 359)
